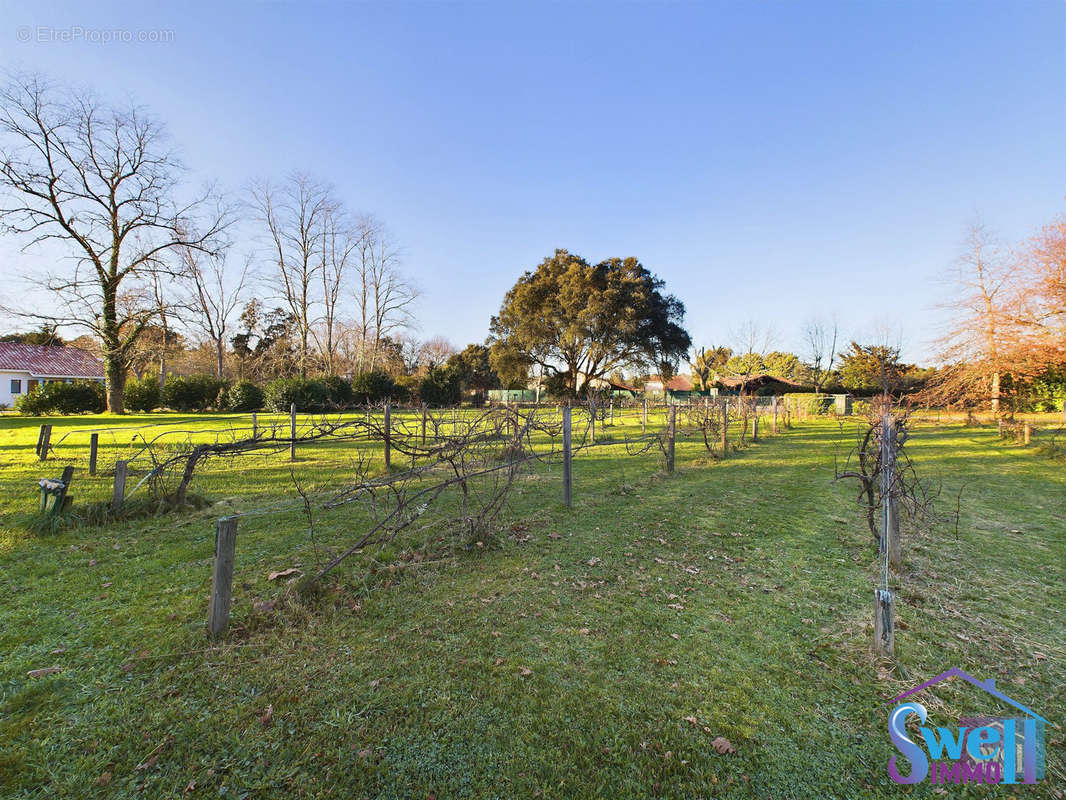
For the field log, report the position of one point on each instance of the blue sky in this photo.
(770, 161)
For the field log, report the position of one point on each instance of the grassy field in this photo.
(596, 652)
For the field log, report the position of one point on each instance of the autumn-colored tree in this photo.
(1041, 303)
(978, 348)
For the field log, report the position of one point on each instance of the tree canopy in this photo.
(580, 321)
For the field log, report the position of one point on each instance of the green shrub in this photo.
(440, 387)
(405, 389)
(340, 391)
(308, 394)
(192, 393)
(64, 398)
(244, 396)
(371, 387)
(142, 395)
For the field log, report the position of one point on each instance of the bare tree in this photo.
(341, 242)
(434, 352)
(977, 345)
(294, 215)
(821, 342)
(101, 182)
(384, 297)
(215, 295)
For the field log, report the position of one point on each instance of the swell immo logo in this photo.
(983, 749)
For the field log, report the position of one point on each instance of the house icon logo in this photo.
(984, 749)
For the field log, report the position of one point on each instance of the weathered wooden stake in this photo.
(567, 466)
(644, 417)
(423, 424)
(119, 492)
(94, 447)
(884, 643)
(592, 420)
(671, 433)
(725, 427)
(612, 412)
(388, 436)
(40, 438)
(255, 425)
(890, 492)
(1027, 433)
(999, 428)
(755, 428)
(292, 432)
(46, 440)
(773, 427)
(222, 578)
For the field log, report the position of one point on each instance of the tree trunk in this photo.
(116, 384)
(995, 392)
(219, 350)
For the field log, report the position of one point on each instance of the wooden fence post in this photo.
(222, 578)
(644, 417)
(612, 412)
(890, 493)
(388, 436)
(592, 420)
(671, 433)
(292, 432)
(755, 427)
(94, 447)
(725, 426)
(46, 440)
(423, 424)
(774, 425)
(1027, 433)
(119, 492)
(567, 465)
(884, 627)
(255, 425)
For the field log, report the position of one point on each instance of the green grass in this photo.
(550, 661)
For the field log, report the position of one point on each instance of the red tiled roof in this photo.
(49, 361)
(678, 383)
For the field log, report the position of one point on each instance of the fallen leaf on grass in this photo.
(722, 745)
(267, 717)
(285, 573)
(191, 787)
(525, 671)
(40, 673)
(104, 779)
(498, 661)
(554, 535)
(584, 631)
(675, 635)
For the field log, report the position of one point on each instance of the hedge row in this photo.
(63, 398)
(202, 393)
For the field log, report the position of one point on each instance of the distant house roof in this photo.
(678, 383)
(623, 386)
(46, 361)
(753, 383)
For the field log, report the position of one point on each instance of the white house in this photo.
(24, 367)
